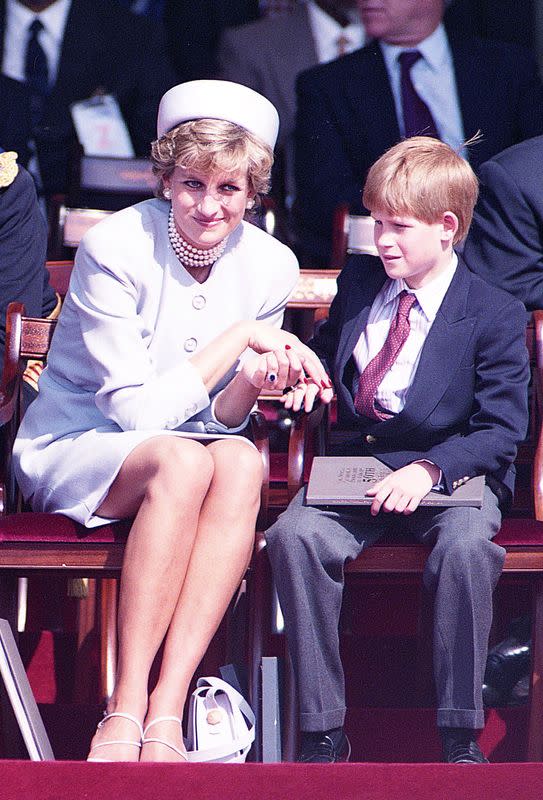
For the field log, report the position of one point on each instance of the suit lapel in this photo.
(370, 98)
(445, 344)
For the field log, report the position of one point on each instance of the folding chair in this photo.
(351, 233)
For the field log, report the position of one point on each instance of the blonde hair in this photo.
(422, 177)
(213, 145)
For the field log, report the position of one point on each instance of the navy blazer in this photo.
(346, 119)
(505, 241)
(466, 409)
(105, 46)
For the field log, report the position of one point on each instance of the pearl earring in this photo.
(250, 204)
(167, 192)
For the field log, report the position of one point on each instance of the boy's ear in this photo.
(449, 222)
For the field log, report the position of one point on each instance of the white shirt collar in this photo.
(326, 32)
(53, 18)
(430, 296)
(434, 49)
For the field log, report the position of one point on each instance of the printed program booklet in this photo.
(344, 481)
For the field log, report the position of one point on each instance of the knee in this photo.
(239, 465)
(180, 468)
(472, 552)
(294, 530)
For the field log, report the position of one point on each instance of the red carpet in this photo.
(76, 781)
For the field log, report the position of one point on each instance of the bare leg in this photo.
(163, 483)
(221, 552)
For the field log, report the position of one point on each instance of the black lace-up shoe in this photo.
(507, 663)
(322, 748)
(460, 746)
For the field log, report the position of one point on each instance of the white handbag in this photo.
(221, 725)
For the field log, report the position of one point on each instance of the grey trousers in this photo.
(308, 547)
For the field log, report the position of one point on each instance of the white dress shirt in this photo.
(392, 391)
(18, 20)
(434, 81)
(326, 33)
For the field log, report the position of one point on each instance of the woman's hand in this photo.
(274, 370)
(304, 394)
(403, 489)
(263, 338)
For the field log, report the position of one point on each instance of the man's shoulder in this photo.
(266, 28)
(341, 71)
(482, 51)
(519, 156)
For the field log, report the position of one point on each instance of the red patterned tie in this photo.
(377, 368)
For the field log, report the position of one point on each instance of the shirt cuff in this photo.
(438, 486)
(213, 425)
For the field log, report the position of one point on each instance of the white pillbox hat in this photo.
(211, 99)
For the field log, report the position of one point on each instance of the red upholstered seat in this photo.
(518, 532)
(49, 528)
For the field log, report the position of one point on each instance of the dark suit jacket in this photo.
(23, 239)
(505, 242)
(105, 46)
(193, 31)
(506, 20)
(14, 117)
(346, 119)
(466, 409)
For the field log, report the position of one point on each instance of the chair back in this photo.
(26, 338)
(99, 185)
(67, 227)
(59, 276)
(131, 176)
(351, 234)
(310, 300)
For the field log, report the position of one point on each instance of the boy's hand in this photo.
(276, 369)
(402, 490)
(304, 394)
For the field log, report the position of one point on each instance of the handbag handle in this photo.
(208, 687)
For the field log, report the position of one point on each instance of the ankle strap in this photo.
(124, 715)
(161, 719)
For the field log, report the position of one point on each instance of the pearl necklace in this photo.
(189, 255)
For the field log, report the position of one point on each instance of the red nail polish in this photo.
(324, 385)
(288, 347)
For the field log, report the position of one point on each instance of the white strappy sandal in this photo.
(147, 739)
(130, 742)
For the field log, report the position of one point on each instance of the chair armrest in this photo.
(261, 440)
(304, 426)
(10, 391)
